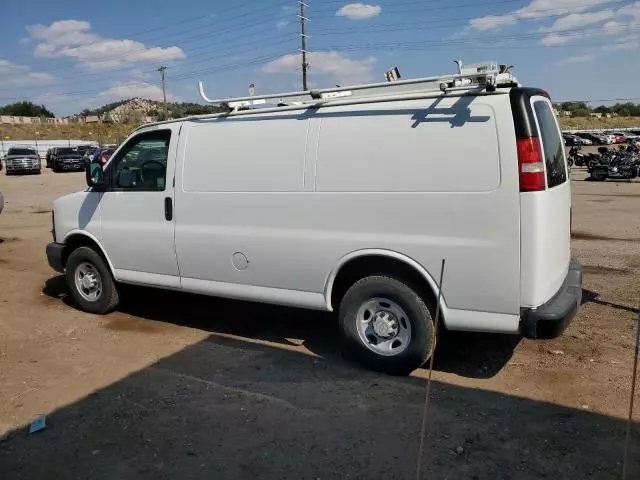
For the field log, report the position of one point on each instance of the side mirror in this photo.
(95, 175)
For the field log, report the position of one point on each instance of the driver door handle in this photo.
(168, 209)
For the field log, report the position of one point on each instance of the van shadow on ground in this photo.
(589, 296)
(228, 409)
(466, 354)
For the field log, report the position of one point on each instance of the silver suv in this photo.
(22, 160)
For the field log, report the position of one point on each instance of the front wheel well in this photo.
(368, 265)
(78, 240)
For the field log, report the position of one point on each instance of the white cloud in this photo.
(74, 39)
(613, 27)
(554, 39)
(339, 68)
(537, 9)
(281, 24)
(136, 89)
(587, 57)
(14, 74)
(490, 22)
(576, 20)
(359, 11)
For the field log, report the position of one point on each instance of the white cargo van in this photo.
(344, 200)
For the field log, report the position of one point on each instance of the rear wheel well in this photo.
(367, 265)
(79, 240)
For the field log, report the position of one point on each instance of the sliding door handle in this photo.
(168, 208)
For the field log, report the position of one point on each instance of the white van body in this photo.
(272, 206)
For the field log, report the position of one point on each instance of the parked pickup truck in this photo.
(22, 160)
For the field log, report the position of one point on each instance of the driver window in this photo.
(142, 164)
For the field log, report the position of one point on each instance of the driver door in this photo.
(136, 210)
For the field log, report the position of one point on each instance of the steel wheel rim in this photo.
(88, 281)
(383, 326)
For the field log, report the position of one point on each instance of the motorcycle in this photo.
(580, 159)
(620, 165)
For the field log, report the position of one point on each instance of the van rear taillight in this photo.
(530, 165)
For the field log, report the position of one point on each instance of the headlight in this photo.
(53, 224)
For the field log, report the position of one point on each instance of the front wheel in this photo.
(386, 325)
(90, 281)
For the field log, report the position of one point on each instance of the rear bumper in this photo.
(54, 256)
(552, 318)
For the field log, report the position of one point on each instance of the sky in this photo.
(79, 54)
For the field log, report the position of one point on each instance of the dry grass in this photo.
(103, 133)
(595, 123)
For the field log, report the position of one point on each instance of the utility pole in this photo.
(164, 91)
(303, 41)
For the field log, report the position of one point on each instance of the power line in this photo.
(577, 33)
(242, 27)
(349, 30)
(179, 78)
(232, 27)
(391, 10)
(223, 52)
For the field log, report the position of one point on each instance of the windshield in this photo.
(21, 151)
(67, 151)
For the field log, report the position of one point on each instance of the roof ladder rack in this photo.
(486, 75)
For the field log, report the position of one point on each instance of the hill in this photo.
(136, 110)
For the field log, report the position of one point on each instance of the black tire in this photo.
(422, 336)
(108, 299)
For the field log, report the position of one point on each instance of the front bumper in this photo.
(22, 167)
(68, 166)
(55, 255)
(552, 318)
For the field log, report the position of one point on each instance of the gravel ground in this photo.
(180, 386)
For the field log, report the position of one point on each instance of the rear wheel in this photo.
(90, 281)
(386, 325)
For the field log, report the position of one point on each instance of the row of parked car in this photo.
(601, 138)
(22, 160)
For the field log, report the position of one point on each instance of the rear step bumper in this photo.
(551, 319)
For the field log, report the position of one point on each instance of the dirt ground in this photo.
(180, 386)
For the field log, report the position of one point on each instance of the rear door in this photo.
(545, 214)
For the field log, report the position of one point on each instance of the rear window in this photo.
(21, 151)
(552, 145)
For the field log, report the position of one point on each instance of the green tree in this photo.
(26, 109)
